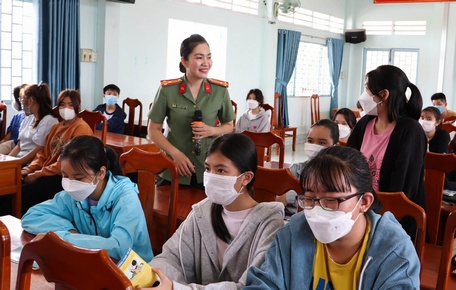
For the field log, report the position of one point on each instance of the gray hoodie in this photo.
(260, 122)
(193, 247)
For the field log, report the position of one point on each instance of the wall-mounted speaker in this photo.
(355, 35)
(123, 1)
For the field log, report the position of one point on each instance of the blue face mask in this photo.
(440, 108)
(111, 100)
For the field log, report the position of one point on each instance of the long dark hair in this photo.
(338, 169)
(187, 47)
(436, 113)
(88, 152)
(258, 96)
(42, 96)
(241, 150)
(349, 116)
(332, 127)
(396, 82)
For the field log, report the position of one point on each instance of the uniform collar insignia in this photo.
(207, 88)
(182, 88)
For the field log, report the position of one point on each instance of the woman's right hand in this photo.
(184, 166)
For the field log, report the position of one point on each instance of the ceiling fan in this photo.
(285, 7)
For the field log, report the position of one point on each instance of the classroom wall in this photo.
(131, 42)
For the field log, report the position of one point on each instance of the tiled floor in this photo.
(290, 156)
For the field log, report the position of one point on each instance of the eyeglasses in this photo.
(326, 203)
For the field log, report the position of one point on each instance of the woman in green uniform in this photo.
(178, 99)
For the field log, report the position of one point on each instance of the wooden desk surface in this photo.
(11, 181)
(18, 239)
(122, 143)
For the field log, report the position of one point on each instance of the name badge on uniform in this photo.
(177, 106)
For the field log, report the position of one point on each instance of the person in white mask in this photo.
(98, 207)
(111, 110)
(346, 121)
(338, 241)
(390, 137)
(255, 119)
(438, 139)
(227, 232)
(12, 132)
(323, 133)
(43, 176)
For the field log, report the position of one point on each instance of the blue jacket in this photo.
(390, 262)
(115, 224)
(116, 123)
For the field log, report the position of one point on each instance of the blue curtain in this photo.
(335, 52)
(58, 45)
(287, 51)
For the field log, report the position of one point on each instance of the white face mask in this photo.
(344, 130)
(362, 114)
(67, 114)
(16, 105)
(77, 189)
(428, 126)
(220, 189)
(368, 104)
(252, 104)
(328, 226)
(311, 149)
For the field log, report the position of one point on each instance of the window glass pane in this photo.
(6, 22)
(6, 58)
(6, 77)
(408, 62)
(16, 68)
(17, 32)
(16, 50)
(373, 59)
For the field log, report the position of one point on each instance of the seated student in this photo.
(98, 208)
(346, 121)
(111, 110)
(322, 134)
(439, 101)
(338, 241)
(42, 178)
(226, 233)
(34, 128)
(10, 140)
(255, 119)
(438, 139)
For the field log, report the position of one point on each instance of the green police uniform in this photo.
(175, 101)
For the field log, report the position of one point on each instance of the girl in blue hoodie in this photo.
(98, 208)
(338, 241)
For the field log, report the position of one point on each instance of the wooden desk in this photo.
(432, 254)
(11, 181)
(20, 238)
(122, 143)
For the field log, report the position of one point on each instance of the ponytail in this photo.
(415, 103)
(113, 164)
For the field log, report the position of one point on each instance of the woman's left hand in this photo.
(201, 131)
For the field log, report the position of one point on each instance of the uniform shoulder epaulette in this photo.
(219, 82)
(165, 83)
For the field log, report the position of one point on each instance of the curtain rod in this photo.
(312, 36)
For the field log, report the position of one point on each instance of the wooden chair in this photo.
(69, 266)
(271, 182)
(268, 107)
(3, 111)
(278, 127)
(435, 273)
(400, 206)
(148, 165)
(314, 108)
(93, 119)
(436, 166)
(233, 103)
(263, 142)
(449, 120)
(130, 126)
(5, 255)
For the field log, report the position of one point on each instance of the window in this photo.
(17, 45)
(244, 6)
(395, 27)
(216, 36)
(405, 59)
(311, 74)
(316, 20)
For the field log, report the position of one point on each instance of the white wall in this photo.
(131, 41)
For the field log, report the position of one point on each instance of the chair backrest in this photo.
(132, 105)
(148, 165)
(3, 113)
(400, 206)
(263, 142)
(271, 182)
(436, 166)
(449, 119)
(447, 252)
(268, 107)
(449, 127)
(314, 108)
(69, 266)
(278, 110)
(92, 119)
(5, 255)
(233, 103)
